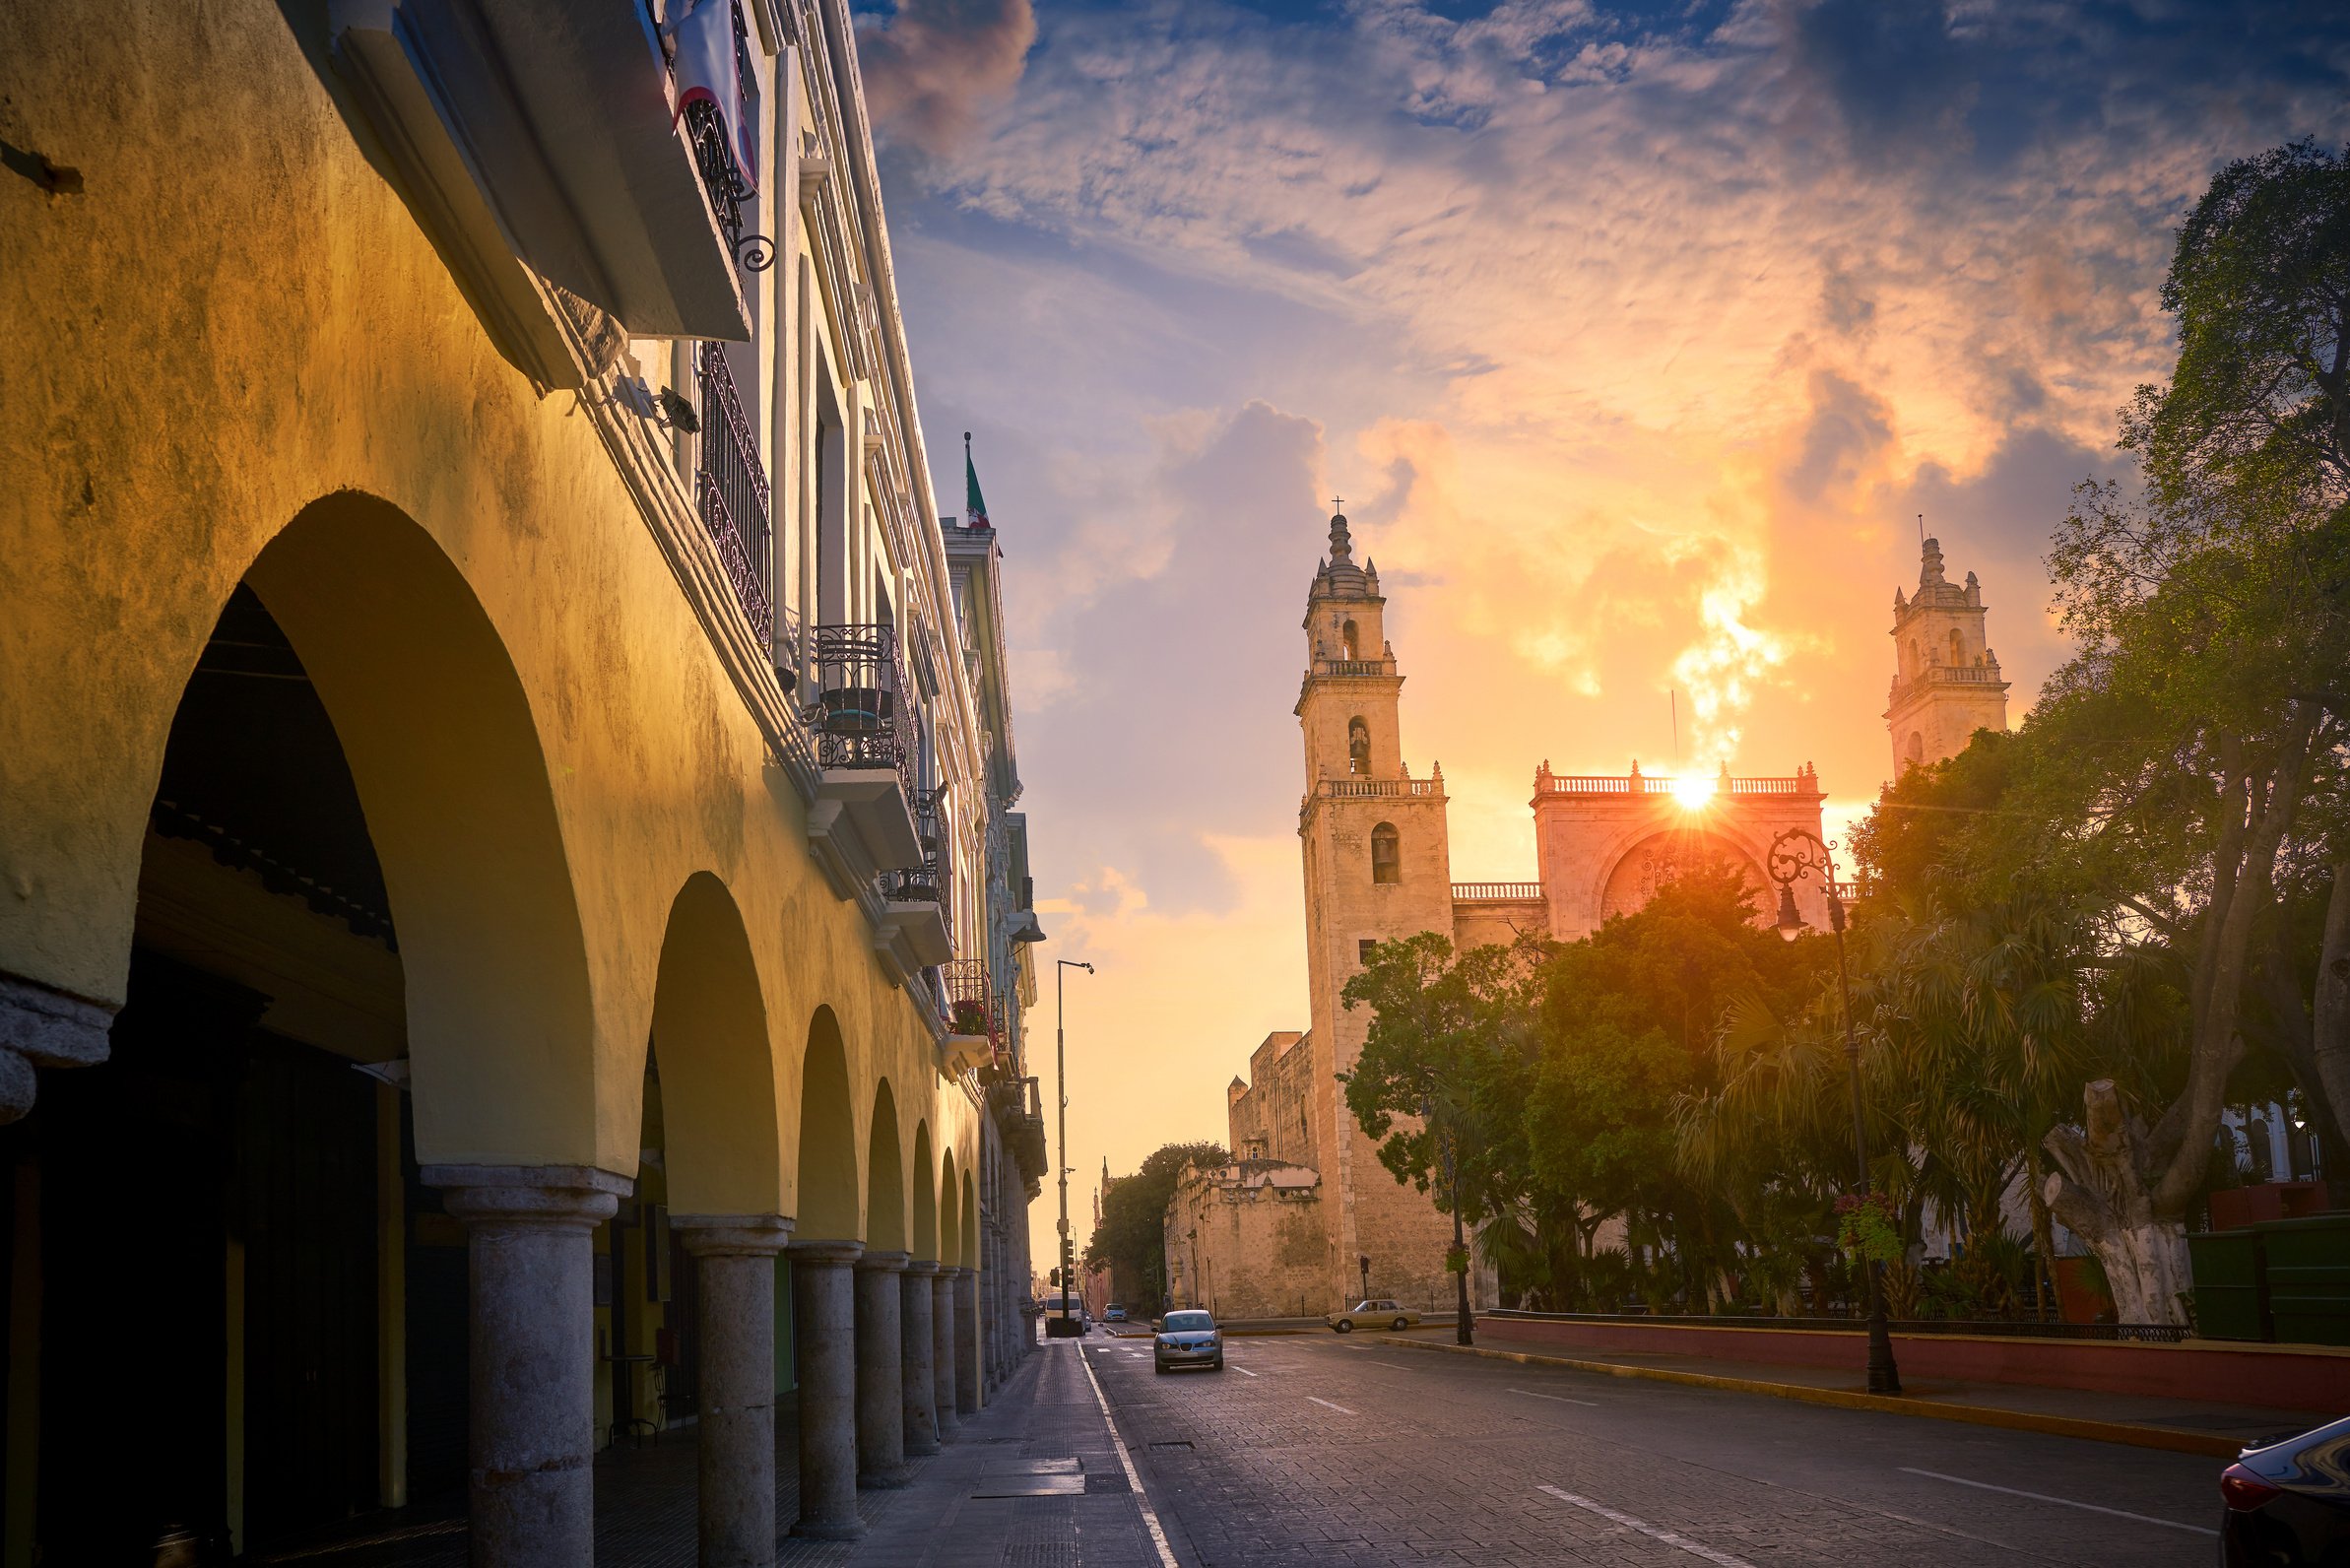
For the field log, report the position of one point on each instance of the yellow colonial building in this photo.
(514, 928)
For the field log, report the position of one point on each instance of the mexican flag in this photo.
(708, 69)
(974, 503)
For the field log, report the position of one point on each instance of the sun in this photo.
(1694, 791)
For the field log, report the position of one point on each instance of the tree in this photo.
(1444, 1063)
(1131, 1240)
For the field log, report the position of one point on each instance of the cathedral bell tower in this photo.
(1378, 867)
(1946, 681)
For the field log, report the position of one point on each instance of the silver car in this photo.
(1188, 1339)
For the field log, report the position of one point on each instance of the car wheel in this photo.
(1343, 1326)
(1160, 1367)
(1402, 1324)
(1220, 1364)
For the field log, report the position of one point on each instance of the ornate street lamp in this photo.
(1795, 855)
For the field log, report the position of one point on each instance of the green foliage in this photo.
(1129, 1241)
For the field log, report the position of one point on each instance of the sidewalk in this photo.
(1033, 1479)
(2147, 1422)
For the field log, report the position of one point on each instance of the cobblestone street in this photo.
(1307, 1450)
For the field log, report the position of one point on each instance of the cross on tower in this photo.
(1337, 504)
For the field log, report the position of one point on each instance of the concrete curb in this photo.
(2172, 1439)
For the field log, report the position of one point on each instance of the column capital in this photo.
(43, 1027)
(882, 1262)
(732, 1235)
(552, 1196)
(966, 1273)
(923, 1266)
(814, 1251)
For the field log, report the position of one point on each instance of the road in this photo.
(1315, 1450)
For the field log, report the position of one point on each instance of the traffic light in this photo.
(1056, 1276)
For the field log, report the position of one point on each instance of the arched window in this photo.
(1916, 659)
(1957, 655)
(1387, 853)
(1348, 640)
(1914, 750)
(1358, 746)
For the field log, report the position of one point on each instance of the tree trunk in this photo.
(2044, 1234)
(2329, 1022)
(2099, 1190)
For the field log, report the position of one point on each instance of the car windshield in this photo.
(1189, 1321)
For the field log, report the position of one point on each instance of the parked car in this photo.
(2288, 1502)
(1113, 1313)
(1189, 1338)
(1377, 1313)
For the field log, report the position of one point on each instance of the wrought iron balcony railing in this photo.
(927, 882)
(722, 172)
(861, 708)
(972, 1005)
(730, 487)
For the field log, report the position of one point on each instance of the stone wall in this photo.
(1249, 1240)
(1272, 1113)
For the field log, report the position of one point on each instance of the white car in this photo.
(1377, 1313)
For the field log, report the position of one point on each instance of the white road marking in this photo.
(1560, 1398)
(1721, 1559)
(1244, 1372)
(2043, 1497)
(1158, 1537)
(1396, 1366)
(1341, 1409)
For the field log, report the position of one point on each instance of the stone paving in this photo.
(1032, 1480)
(1310, 1451)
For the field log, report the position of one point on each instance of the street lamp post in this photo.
(1796, 854)
(1069, 1261)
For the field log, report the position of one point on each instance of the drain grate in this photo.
(1112, 1481)
(1180, 1442)
(1039, 1554)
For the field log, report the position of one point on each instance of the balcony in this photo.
(1497, 892)
(972, 1005)
(539, 140)
(730, 489)
(920, 911)
(863, 820)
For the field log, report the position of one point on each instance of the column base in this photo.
(806, 1531)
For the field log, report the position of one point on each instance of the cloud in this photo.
(932, 65)
(1635, 337)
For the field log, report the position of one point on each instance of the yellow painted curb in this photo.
(2163, 1437)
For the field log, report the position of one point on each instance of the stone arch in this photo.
(1912, 751)
(1957, 649)
(951, 1212)
(1386, 855)
(1646, 864)
(968, 1236)
(445, 755)
(1358, 745)
(723, 1147)
(923, 1239)
(885, 1177)
(829, 1183)
(1349, 641)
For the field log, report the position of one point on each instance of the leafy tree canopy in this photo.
(1130, 1240)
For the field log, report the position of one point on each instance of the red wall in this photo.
(2298, 1377)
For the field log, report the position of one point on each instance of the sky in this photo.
(1636, 338)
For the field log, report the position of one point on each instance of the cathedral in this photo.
(1378, 867)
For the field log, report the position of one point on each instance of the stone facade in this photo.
(1946, 681)
(1377, 863)
(1249, 1240)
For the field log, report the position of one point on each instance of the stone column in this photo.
(40, 1027)
(942, 1350)
(966, 1341)
(532, 1337)
(824, 1330)
(881, 1372)
(918, 1356)
(734, 1523)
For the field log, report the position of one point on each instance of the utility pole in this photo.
(1069, 1261)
